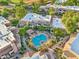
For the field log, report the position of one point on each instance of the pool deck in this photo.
(39, 37)
(67, 46)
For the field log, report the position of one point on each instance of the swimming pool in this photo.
(75, 45)
(38, 40)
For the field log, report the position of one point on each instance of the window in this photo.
(7, 39)
(3, 57)
(0, 33)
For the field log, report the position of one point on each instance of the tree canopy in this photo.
(59, 53)
(51, 11)
(14, 22)
(16, 1)
(71, 2)
(4, 2)
(22, 31)
(35, 7)
(70, 20)
(5, 12)
(58, 32)
(20, 11)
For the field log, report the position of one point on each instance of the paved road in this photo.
(51, 52)
(61, 42)
(24, 41)
(76, 8)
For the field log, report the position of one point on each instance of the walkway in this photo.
(75, 8)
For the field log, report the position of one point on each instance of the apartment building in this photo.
(35, 19)
(8, 45)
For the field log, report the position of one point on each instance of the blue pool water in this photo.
(75, 45)
(38, 40)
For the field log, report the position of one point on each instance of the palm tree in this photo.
(35, 7)
(51, 12)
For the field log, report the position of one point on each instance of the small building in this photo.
(30, 32)
(35, 19)
(71, 48)
(56, 23)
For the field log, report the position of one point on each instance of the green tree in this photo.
(51, 11)
(41, 28)
(16, 1)
(4, 2)
(14, 22)
(59, 53)
(22, 31)
(58, 32)
(35, 7)
(5, 12)
(20, 11)
(70, 20)
(71, 2)
(23, 48)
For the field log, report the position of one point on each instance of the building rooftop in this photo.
(6, 35)
(57, 23)
(35, 17)
(3, 20)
